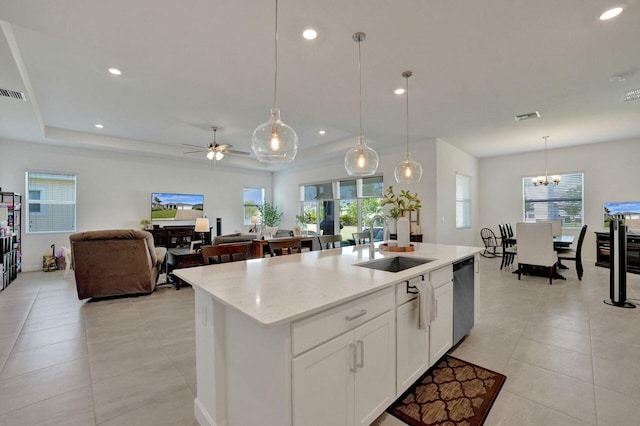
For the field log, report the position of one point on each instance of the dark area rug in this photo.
(453, 392)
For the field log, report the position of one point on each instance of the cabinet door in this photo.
(441, 330)
(412, 352)
(375, 382)
(323, 385)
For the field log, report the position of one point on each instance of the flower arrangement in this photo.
(400, 203)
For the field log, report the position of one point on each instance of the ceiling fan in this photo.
(215, 150)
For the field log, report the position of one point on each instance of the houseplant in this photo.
(399, 204)
(270, 214)
(146, 224)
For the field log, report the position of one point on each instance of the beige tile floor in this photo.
(569, 359)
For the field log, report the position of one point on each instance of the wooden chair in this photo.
(509, 250)
(575, 255)
(329, 241)
(224, 253)
(490, 243)
(360, 237)
(535, 247)
(284, 246)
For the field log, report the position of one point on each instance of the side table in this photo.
(178, 258)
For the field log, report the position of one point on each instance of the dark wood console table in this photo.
(177, 236)
(603, 251)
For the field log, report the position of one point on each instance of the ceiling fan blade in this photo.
(223, 147)
(234, 152)
(193, 152)
(195, 146)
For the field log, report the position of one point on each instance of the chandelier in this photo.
(544, 180)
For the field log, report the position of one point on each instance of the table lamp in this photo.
(254, 221)
(202, 226)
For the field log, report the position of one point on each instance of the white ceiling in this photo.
(191, 65)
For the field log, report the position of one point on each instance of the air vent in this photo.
(528, 116)
(632, 95)
(13, 94)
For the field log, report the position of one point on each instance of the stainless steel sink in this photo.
(395, 264)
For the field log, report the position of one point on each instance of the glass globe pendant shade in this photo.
(361, 160)
(408, 171)
(274, 142)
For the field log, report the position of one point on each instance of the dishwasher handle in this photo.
(463, 263)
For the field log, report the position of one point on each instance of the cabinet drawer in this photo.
(441, 276)
(401, 290)
(321, 327)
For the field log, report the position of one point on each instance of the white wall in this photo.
(452, 160)
(114, 189)
(611, 173)
(437, 190)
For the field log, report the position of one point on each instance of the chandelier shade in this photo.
(544, 180)
(275, 142)
(361, 160)
(408, 170)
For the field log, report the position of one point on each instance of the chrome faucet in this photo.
(372, 249)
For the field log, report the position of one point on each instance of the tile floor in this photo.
(569, 358)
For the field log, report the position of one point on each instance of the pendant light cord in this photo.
(407, 91)
(360, 74)
(546, 174)
(275, 78)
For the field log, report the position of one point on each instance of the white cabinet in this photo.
(441, 330)
(412, 353)
(348, 380)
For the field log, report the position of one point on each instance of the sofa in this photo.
(115, 262)
(236, 238)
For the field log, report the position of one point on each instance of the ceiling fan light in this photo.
(210, 154)
(219, 155)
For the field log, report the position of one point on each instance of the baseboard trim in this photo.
(202, 415)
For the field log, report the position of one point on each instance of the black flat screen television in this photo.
(170, 206)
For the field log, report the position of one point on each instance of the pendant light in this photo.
(408, 171)
(360, 160)
(275, 142)
(544, 180)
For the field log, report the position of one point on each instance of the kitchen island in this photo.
(311, 338)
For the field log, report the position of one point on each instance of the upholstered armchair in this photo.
(115, 262)
(535, 247)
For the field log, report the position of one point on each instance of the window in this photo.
(563, 201)
(51, 202)
(352, 201)
(463, 201)
(253, 198)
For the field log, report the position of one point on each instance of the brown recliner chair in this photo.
(115, 262)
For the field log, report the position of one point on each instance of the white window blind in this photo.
(51, 202)
(555, 202)
(463, 201)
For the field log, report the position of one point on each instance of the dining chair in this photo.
(509, 230)
(490, 243)
(329, 241)
(224, 253)
(509, 250)
(556, 225)
(575, 255)
(535, 247)
(360, 237)
(284, 246)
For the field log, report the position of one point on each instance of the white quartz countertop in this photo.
(283, 289)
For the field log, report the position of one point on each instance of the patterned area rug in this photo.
(454, 392)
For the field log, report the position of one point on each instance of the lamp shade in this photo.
(255, 219)
(274, 141)
(202, 224)
(361, 160)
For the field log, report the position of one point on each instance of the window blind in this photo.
(555, 202)
(51, 203)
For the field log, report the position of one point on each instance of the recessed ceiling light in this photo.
(399, 91)
(611, 13)
(115, 71)
(99, 126)
(310, 34)
(322, 132)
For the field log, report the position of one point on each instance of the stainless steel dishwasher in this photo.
(463, 297)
